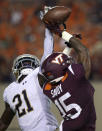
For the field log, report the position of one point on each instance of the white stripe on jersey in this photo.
(70, 68)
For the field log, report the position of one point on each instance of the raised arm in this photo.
(48, 49)
(6, 118)
(48, 44)
(81, 50)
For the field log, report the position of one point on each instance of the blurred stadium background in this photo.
(21, 31)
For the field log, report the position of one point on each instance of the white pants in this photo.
(42, 126)
(46, 128)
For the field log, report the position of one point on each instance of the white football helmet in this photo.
(24, 65)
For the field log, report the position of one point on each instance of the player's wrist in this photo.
(67, 50)
(66, 36)
(48, 32)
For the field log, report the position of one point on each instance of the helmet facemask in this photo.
(24, 65)
(53, 78)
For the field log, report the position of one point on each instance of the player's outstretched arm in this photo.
(82, 51)
(48, 44)
(6, 118)
(48, 49)
(48, 39)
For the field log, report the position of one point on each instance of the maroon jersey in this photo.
(73, 96)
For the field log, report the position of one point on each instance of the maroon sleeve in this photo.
(78, 70)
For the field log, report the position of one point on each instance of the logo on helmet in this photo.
(58, 59)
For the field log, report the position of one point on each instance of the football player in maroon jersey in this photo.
(67, 85)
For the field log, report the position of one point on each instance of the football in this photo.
(57, 15)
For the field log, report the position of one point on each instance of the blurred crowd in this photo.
(22, 31)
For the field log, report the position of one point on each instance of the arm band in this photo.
(66, 36)
(67, 50)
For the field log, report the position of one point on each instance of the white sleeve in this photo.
(5, 96)
(48, 44)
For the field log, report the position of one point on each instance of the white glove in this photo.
(46, 9)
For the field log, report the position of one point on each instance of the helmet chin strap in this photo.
(25, 71)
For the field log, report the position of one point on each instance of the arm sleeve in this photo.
(6, 100)
(48, 44)
(5, 96)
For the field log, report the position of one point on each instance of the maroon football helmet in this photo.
(55, 66)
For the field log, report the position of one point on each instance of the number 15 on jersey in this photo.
(64, 109)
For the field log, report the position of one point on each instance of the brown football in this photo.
(57, 15)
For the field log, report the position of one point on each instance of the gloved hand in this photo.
(54, 29)
(78, 36)
(46, 9)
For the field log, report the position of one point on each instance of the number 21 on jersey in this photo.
(18, 106)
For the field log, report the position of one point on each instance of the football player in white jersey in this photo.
(24, 97)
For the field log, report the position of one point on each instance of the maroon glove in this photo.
(78, 36)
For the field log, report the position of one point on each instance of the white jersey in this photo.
(29, 103)
(27, 100)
